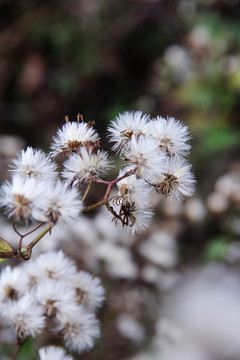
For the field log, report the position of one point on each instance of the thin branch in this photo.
(31, 231)
(29, 253)
(15, 229)
(87, 190)
(112, 211)
(110, 184)
(40, 236)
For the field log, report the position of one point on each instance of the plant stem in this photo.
(44, 232)
(87, 190)
(110, 184)
(16, 352)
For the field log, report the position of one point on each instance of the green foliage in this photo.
(216, 249)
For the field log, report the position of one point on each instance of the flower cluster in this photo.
(35, 192)
(153, 152)
(51, 288)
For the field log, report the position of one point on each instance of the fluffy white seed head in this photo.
(177, 180)
(79, 329)
(127, 124)
(88, 289)
(55, 296)
(134, 191)
(20, 197)
(34, 163)
(53, 265)
(27, 316)
(72, 136)
(84, 165)
(171, 135)
(144, 155)
(59, 203)
(12, 283)
(53, 353)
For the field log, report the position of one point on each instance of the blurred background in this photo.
(169, 58)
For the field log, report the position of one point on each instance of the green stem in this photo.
(39, 237)
(87, 190)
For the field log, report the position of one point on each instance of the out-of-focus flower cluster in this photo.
(200, 318)
(48, 293)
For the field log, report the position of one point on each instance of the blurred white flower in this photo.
(55, 296)
(118, 259)
(130, 328)
(88, 290)
(160, 248)
(194, 209)
(52, 265)
(53, 353)
(12, 283)
(205, 308)
(27, 315)
(34, 163)
(79, 329)
(217, 202)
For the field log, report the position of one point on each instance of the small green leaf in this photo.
(6, 250)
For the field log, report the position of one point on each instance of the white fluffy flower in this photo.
(89, 290)
(142, 220)
(12, 283)
(27, 315)
(59, 203)
(53, 353)
(127, 124)
(52, 265)
(133, 191)
(171, 135)
(20, 197)
(34, 163)
(55, 296)
(144, 155)
(81, 166)
(78, 329)
(177, 180)
(72, 136)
